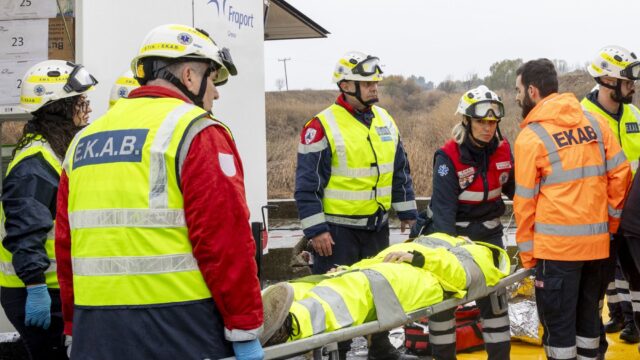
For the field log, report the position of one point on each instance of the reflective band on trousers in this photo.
(336, 303)
(341, 220)
(489, 224)
(50, 235)
(316, 314)
(496, 322)
(560, 352)
(388, 308)
(587, 343)
(312, 220)
(8, 269)
(134, 265)
(158, 172)
(636, 306)
(357, 195)
(479, 195)
(442, 339)
(525, 245)
(571, 230)
(493, 338)
(442, 325)
(163, 218)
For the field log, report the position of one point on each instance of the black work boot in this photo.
(630, 333)
(613, 326)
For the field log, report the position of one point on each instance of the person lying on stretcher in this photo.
(417, 274)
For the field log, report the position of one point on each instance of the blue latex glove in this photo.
(38, 307)
(248, 350)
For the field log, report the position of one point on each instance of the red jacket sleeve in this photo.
(63, 253)
(217, 219)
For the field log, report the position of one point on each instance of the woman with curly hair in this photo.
(53, 92)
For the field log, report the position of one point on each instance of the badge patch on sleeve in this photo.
(110, 147)
(309, 135)
(443, 170)
(227, 164)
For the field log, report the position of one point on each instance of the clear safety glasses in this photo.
(632, 71)
(368, 67)
(481, 109)
(80, 80)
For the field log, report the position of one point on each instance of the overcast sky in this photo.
(441, 38)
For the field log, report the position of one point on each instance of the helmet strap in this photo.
(197, 99)
(358, 94)
(617, 90)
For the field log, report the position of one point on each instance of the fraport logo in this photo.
(233, 14)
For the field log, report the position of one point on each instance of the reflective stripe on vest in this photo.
(336, 303)
(131, 247)
(362, 162)
(388, 307)
(479, 195)
(8, 276)
(559, 175)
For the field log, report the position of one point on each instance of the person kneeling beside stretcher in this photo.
(415, 274)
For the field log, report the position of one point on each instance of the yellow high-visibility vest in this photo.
(130, 244)
(362, 161)
(627, 130)
(8, 277)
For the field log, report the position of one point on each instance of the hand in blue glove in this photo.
(248, 350)
(38, 307)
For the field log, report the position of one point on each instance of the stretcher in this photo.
(388, 319)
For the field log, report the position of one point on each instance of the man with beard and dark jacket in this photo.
(53, 91)
(571, 181)
(470, 173)
(615, 69)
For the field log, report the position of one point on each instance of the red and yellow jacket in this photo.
(571, 181)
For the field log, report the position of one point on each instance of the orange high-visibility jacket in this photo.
(571, 181)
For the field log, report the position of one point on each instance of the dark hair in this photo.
(54, 122)
(540, 73)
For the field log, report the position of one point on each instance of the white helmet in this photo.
(122, 87)
(481, 103)
(53, 80)
(357, 66)
(174, 41)
(617, 62)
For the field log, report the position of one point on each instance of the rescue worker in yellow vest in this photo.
(352, 169)
(471, 172)
(571, 181)
(616, 69)
(413, 274)
(155, 252)
(53, 92)
(123, 86)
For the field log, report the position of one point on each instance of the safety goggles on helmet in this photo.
(632, 71)
(483, 108)
(80, 80)
(368, 67)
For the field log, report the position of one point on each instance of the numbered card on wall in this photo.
(24, 39)
(27, 9)
(11, 74)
